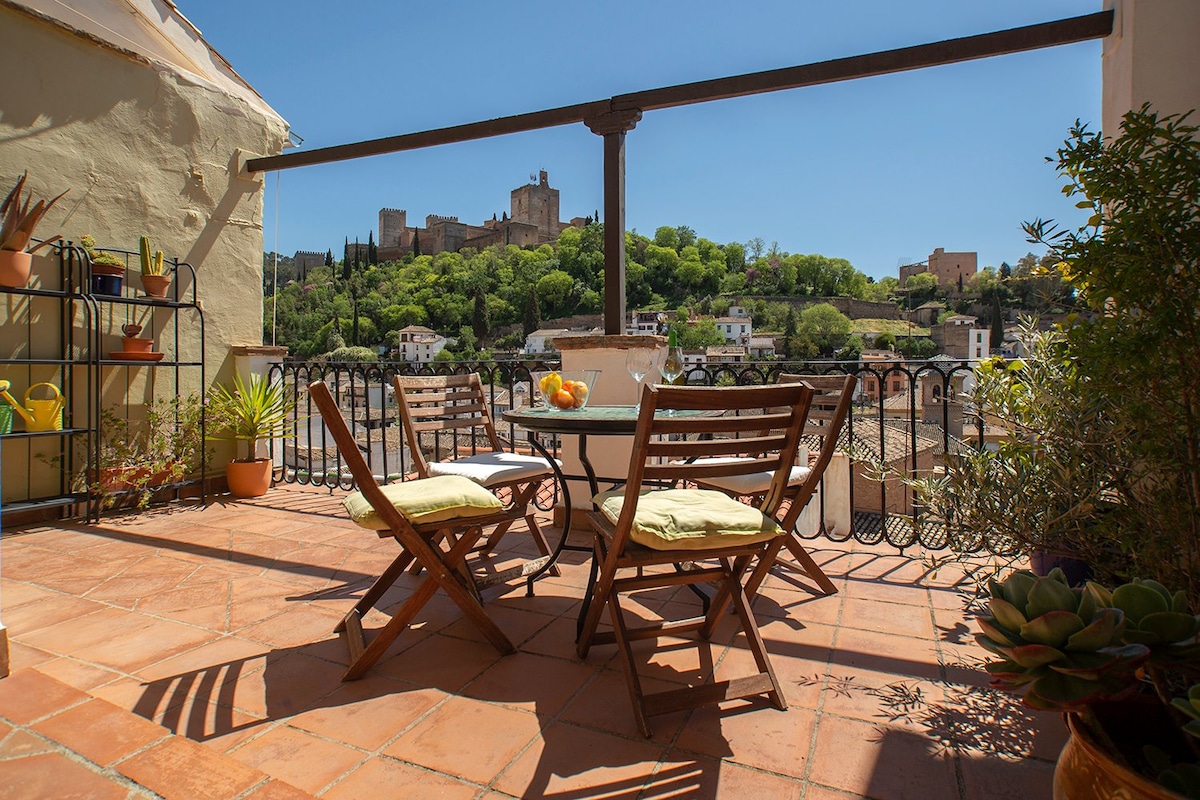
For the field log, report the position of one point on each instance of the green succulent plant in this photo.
(99, 256)
(1062, 647)
(151, 264)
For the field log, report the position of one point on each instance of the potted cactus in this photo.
(1104, 658)
(17, 222)
(154, 281)
(107, 269)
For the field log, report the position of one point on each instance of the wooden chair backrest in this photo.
(760, 428)
(832, 396)
(434, 403)
(331, 415)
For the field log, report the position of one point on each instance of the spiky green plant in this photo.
(19, 219)
(250, 412)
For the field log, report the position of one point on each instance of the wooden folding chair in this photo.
(416, 514)
(832, 396)
(431, 404)
(641, 530)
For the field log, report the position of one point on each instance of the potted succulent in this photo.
(19, 220)
(107, 269)
(1113, 661)
(251, 413)
(154, 281)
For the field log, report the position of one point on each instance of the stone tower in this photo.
(537, 204)
(392, 223)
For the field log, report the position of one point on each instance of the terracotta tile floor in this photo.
(214, 627)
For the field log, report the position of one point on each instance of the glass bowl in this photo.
(566, 390)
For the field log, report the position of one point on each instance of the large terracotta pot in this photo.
(14, 268)
(249, 478)
(1085, 772)
(156, 285)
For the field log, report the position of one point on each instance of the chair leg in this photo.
(596, 599)
(755, 642)
(808, 566)
(542, 545)
(627, 664)
(378, 588)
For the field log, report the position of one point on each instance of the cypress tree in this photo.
(533, 314)
(329, 258)
(480, 324)
(372, 251)
(416, 244)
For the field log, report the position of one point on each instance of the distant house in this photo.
(542, 340)
(725, 355)
(761, 346)
(419, 344)
(736, 330)
(642, 323)
(959, 336)
(926, 315)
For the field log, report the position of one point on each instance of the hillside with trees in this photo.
(466, 295)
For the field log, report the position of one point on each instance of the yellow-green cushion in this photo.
(427, 500)
(689, 519)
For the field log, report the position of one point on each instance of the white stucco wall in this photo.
(145, 148)
(1151, 56)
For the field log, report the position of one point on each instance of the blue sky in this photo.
(879, 171)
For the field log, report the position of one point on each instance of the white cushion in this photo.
(752, 483)
(492, 469)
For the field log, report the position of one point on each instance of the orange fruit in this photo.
(563, 399)
(579, 391)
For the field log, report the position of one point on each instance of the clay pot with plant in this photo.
(251, 413)
(107, 269)
(154, 279)
(19, 219)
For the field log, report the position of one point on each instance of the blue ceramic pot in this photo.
(107, 284)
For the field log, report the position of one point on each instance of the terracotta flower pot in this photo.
(156, 285)
(130, 344)
(249, 478)
(14, 268)
(1085, 771)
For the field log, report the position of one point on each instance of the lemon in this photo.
(551, 384)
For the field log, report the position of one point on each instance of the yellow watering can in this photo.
(39, 415)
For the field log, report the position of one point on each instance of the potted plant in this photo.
(16, 232)
(153, 280)
(1112, 661)
(141, 453)
(107, 269)
(251, 413)
(1106, 463)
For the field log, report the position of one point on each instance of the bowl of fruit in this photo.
(566, 390)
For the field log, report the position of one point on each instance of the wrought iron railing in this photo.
(906, 416)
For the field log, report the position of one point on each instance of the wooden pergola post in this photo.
(613, 126)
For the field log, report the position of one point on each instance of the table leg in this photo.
(536, 444)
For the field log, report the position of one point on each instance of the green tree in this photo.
(827, 327)
(666, 236)
(700, 334)
(554, 290)
(480, 321)
(533, 313)
(921, 288)
(884, 341)
(686, 236)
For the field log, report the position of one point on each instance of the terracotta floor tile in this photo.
(880, 761)
(85, 632)
(204, 604)
(570, 761)
(1006, 779)
(180, 768)
(293, 627)
(367, 713)
(558, 640)
(604, 704)
(80, 674)
(286, 685)
(50, 608)
(299, 758)
(805, 608)
(225, 650)
(27, 695)
(881, 652)
(531, 682)
(443, 662)
(887, 699)
(892, 618)
(151, 640)
(22, 656)
(888, 592)
(53, 775)
(687, 775)
(21, 744)
(278, 790)
(383, 777)
(752, 734)
(100, 731)
(467, 738)
(518, 624)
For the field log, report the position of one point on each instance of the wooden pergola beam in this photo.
(614, 117)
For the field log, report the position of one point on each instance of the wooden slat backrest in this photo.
(771, 445)
(831, 401)
(348, 448)
(431, 403)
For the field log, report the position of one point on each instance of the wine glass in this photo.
(639, 361)
(671, 367)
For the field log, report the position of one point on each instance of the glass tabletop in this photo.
(591, 419)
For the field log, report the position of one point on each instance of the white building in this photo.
(761, 346)
(736, 330)
(542, 340)
(419, 344)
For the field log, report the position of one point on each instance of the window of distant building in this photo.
(895, 386)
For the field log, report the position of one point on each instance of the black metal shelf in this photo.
(154, 302)
(33, 434)
(24, 290)
(39, 362)
(125, 362)
(54, 501)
